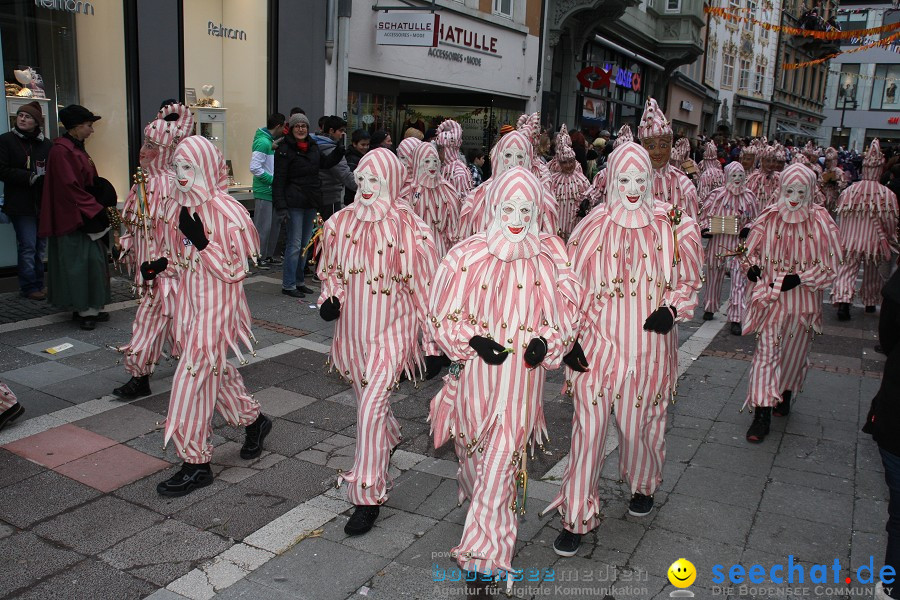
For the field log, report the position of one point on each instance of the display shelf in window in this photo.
(211, 124)
(14, 103)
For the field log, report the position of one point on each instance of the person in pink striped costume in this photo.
(712, 175)
(475, 215)
(793, 252)
(432, 197)
(832, 182)
(146, 213)
(455, 170)
(765, 182)
(639, 279)
(568, 184)
(209, 244)
(670, 184)
(597, 192)
(502, 306)
(732, 199)
(10, 409)
(867, 219)
(377, 261)
(530, 127)
(405, 151)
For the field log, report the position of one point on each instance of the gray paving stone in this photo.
(315, 385)
(735, 434)
(324, 414)
(659, 548)
(81, 529)
(864, 545)
(151, 443)
(262, 375)
(721, 522)
(869, 515)
(164, 552)
(308, 570)
(733, 458)
(78, 347)
(14, 468)
(439, 539)
(724, 485)
(164, 594)
(157, 403)
(6, 530)
(294, 479)
(123, 423)
(27, 558)
(402, 581)
(42, 375)
(247, 589)
(805, 503)
(441, 501)
(818, 481)
(276, 402)
(399, 520)
(37, 403)
(381, 540)
(819, 456)
(89, 580)
(143, 492)
(411, 489)
(287, 438)
(870, 484)
(44, 495)
(237, 511)
(806, 540)
(82, 388)
(303, 360)
(816, 426)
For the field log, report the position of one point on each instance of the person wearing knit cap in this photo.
(792, 254)
(732, 200)
(378, 259)
(431, 196)
(455, 170)
(670, 185)
(712, 175)
(506, 128)
(209, 243)
(147, 212)
(503, 307)
(74, 219)
(623, 363)
(831, 182)
(596, 194)
(568, 184)
(475, 216)
(23, 161)
(867, 218)
(765, 182)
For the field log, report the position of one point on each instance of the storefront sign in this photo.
(893, 120)
(464, 37)
(225, 32)
(596, 78)
(409, 29)
(455, 56)
(687, 105)
(72, 6)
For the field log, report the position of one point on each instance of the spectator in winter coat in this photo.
(476, 161)
(262, 166)
(359, 145)
(297, 193)
(23, 161)
(883, 422)
(338, 177)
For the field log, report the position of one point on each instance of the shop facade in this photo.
(481, 73)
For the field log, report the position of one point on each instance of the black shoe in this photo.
(361, 520)
(256, 432)
(879, 349)
(870, 309)
(567, 543)
(136, 387)
(263, 265)
(759, 429)
(293, 293)
(306, 290)
(275, 261)
(783, 408)
(101, 317)
(11, 414)
(708, 316)
(477, 587)
(640, 505)
(736, 328)
(185, 481)
(843, 313)
(88, 323)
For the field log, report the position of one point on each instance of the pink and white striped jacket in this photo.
(672, 186)
(726, 201)
(432, 197)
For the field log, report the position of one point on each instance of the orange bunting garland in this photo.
(822, 35)
(885, 42)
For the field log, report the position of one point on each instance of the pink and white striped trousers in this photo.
(781, 359)
(844, 287)
(152, 327)
(7, 397)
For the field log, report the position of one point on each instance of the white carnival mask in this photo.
(370, 186)
(516, 216)
(429, 167)
(514, 157)
(795, 195)
(186, 174)
(632, 188)
(736, 177)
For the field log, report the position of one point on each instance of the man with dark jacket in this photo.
(297, 193)
(23, 160)
(359, 145)
(883, 422)
(338, 177)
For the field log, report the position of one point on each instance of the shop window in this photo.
(848, 84)
(751, 13)
(504, 8)
(852, 22)
(744, 76)
(728, 71)
(370, 112)
(885, 95)
(80, 59)
(225, 54)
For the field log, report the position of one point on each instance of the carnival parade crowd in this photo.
(585, 260)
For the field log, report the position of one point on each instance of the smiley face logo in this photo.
(682, 573)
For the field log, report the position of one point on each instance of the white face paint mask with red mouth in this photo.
(429, 169)
(515, 218)
(632, 188)
(514, 157)
(795, 196)
(370, 186)
(186, 174)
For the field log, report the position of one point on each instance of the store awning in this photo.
(788, 128)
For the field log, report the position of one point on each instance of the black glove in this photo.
(704, 233)
(575, 359)
(754, 273)
(192, 228)
(490, 351)
(103, 191)
(790, 281)
(330, 309)
(535, 352)
(434, 364)
(661, 320)
(97, 223)
(744, 233)
(149, 270)
(584, 208)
